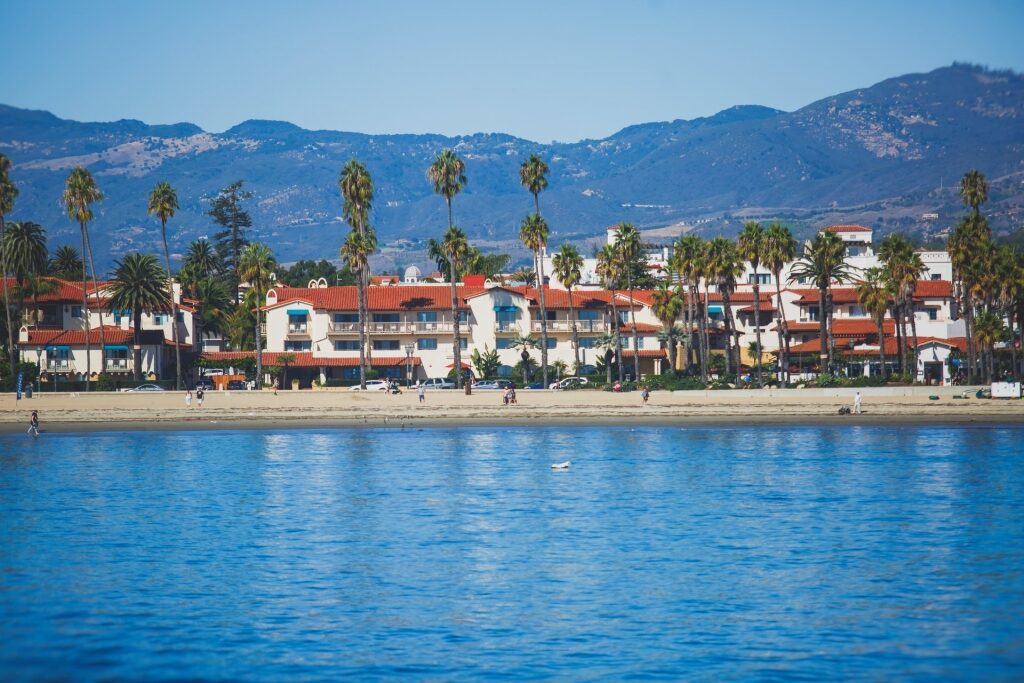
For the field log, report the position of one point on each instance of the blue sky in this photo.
(541, 70)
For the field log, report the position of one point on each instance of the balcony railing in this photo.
(117, 364)
(566, 326)
(506, 326)
(398, 328)
(298, 329)
(58, 365)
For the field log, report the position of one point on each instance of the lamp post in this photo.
(408, 364)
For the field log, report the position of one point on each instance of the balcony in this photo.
(441, 326)
(298, 329)
(506, 327)
(566, 326)
(59, 365)
(117, 365)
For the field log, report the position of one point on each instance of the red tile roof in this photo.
(846, 228)
(846, 346)
(846, 327)
(112, 335)
(641, 328)
(764, 307)
(925, 289)
(645, 353)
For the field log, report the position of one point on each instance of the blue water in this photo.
(709, 554)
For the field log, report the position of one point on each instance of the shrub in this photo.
(105, 383)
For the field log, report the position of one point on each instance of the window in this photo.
(812, 313)
(759, 279)
(181, 316)
(552, 342)
(463, 343)
(857, 312)
(589, 315)
(76, 311)
(506, 316)
(118, 314)
(298, 345)
(346, 317)
(463, 316)
(350, 373)
(426, 344)
(624, 317)
(296, 319)
(936, 276)
(933, 314)
(426, 317)
(503, 343)
(386, 318)
(346, 345)
(386, 345)
(551, 315)
(587, 342)
(627, 342)
(159, 319)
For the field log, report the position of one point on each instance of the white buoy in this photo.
(561, 465)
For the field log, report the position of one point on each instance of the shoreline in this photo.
(116, 412)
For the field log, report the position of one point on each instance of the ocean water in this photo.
(701, 554)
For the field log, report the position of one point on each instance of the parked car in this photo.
(438, 383)
(210, 372)
(570, 382)
(147, 387)
(373, 385)
(236, 385)
(204, 384)
(501, 384)
(534, 385)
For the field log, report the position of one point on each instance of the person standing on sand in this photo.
(856, 403)
(421, 389)
(645, 394)
(33, 424)
(199, 396)
(188, 398)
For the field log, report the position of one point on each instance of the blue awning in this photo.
(115, 347)
(714, 309)
(506, 309)
(58, 348)
(298, 311)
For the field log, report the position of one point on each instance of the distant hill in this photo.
(876, 153)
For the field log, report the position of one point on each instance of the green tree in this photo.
(533, 175)
(357, 199)
(524, 343)
(486, 363)
(66, 264)
(139, 285)
(163, 203)
(24, 246)
(533, 233)
(873, 295)
(611, 343)
(447, 174)
(667, 304)
(627, 243)
(568, 266)
(215, 306)
(8, 193)
(80, 193)
(823, 263)
(723, 268)
(779, 249)
(903, 267)
(750, 244)
(285, 359)
(688, 262)
(989, 329)
(609, 267)
(227, 211)
(302, 272)
(255, 264)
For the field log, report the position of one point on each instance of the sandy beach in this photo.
(309, 409)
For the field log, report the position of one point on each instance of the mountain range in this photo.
(885, 154)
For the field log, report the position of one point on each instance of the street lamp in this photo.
(409, 348)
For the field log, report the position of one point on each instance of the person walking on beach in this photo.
(33, 424)
(199, 396)
(188, 398)
(421, 389)
(645, 394)
(856, 403)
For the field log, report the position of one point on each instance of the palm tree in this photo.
(448, 175)
(214, 305)
(723, 267)
(750, 244)
(609, 267)
(904, 268)
(455, 246)
(873, 295)
(610, 342)
(533, 233)
(139, 284)
(255, 264)
(568, 266)
(163, 202)
(687, 260)
(357, 198)
(239, 322)
(65, 263)
(989, 329)
(533, 174)
(8, 193)
(35, 286)
(524, 343)
(24, 246)
(627, 242)
(355, 253)
(974, 190)
(780, 249)
(667, 304)
(201, 261)
(823, 263)
(80, 193)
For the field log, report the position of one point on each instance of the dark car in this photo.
(204, 384)
(236, 385)
(535, 385)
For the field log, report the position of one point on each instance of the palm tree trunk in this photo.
(691, 314)
(524, 357)
(543, 317)
(361, 296)
(96, 293)
(730, 367)
(757, 328)
(608, 366)
(913, 333)
(632, 318)
(259, 346)
(972, 347)
(823, 359)
(618, 336)
(7, 306)
(85, 314)
(831, 336)
(783, 332)
(137, 345)
(575, 334)
(881, 344)
(456, 336)
(705, 341)
(897, 316)
(174, 308)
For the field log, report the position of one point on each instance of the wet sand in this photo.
(340, 409)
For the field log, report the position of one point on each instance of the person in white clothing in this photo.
(856, 403)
